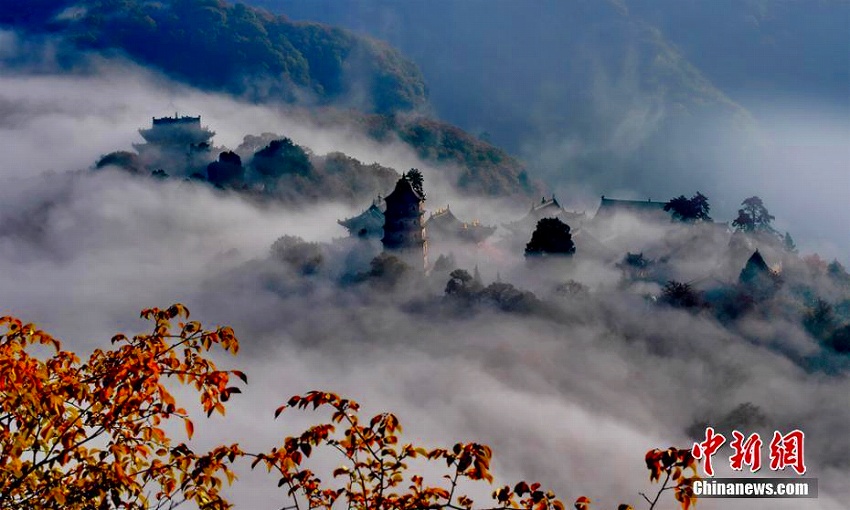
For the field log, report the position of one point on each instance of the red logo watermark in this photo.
(785, 451)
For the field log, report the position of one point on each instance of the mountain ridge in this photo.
(236, 49)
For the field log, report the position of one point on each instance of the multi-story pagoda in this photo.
(443, 225)
(177, 143)
(404, 230)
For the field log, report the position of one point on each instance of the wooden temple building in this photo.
(550, 208)
(184, 132)
(369, 224)
(647, 209)
(174, 142)
(443, 226)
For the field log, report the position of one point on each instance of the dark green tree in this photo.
(680, 295)
(790, 245)
(124, 160)
(281, 157)
(819, 320)
(414, 176)
(753, 216)
(839, 340)
(386, 271)
(508, 298)
(463, 284)
(836, 271)
(301, 256)
(444, 263)
(227, 170)
(689, 210)
(551, 237)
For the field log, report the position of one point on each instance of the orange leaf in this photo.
(582, 503)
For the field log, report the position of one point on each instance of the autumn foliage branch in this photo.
(90, 435)
(375, 470)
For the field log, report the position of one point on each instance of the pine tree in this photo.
(551, 237)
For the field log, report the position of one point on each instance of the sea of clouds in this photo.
(573, 400)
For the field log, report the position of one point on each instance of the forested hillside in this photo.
(236, 49)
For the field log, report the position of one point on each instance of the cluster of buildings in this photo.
(399, 221)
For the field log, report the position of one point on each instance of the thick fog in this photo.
(571, 393)
(637, 99)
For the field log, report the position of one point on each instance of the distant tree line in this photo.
(275, 167)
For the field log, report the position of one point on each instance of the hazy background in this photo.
(641, 99)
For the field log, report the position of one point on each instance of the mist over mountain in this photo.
(685, 51)
(758, 51)
(635, 99)
(270, 166)
(232, 48)
(523, 71)
(363, 83)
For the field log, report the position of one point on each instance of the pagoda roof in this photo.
(756, 261)
(370, 221)
(444, 223)
(546, 208)
(755, 268)
(444, 219)
(611, 206)
(168, 121)
(176, 131)
(546, 204)
(403, 189)
(476, 232)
